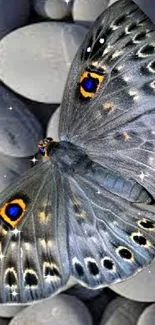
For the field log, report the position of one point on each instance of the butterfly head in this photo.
(45, 145)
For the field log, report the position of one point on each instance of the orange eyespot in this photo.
(90, 83)
(12, 212)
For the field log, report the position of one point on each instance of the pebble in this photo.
(140, 287)
(4, 321)
(84, 13)
(122, 311)
(52, 127)
(35, 59)
(11, 168)
(54, 9)
(148, 316)
(148, 7)
(61, 309)
(19, 129)
(13, 14)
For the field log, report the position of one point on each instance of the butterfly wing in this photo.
(33, 251)
(109, 238)
(110, 110)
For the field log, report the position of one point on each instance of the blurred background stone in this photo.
(148, 316)
(20, 131)
(54, 9)
(61, 309)
(86, 13)
(140, 287)
(122, 311)
(35, 59)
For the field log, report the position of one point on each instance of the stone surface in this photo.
(9, 311)
(58, 310)
(54, 9)
(141, 287)
(52, 127)
(4, 321)
(148, 316)
(87, 11)
(11, 168)
(122, 311)
(19, 129)
(35, 59)
(13, 14)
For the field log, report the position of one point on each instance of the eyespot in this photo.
(50, 271)
(140, 37)
(13, 211)
(125, 253)
(108, 263)
(145, 51)
(31, 278)
(151, 66)
(139, 239)
(146, 224)
(92, 266)
(10, 277)
(90, 83)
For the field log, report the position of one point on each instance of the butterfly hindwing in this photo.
(34, 258)
(110, 239)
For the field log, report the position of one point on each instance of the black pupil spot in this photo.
(132, 27)
(10, 279)
(120, 21)
(31, 279)
(125, 253)
(52, 271)
(140, 36)
(147, 224)
(108, 264)
(13, 211)
(139, 240)
(93, 268)
(148, 49)
(90, 84)
(152, 65)
(79, 269)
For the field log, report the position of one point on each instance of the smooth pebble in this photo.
(35, 59)
(13, 14)
(52, 127)
(87, 11)
(54, 9)
(61, 309)
(148, 316)
(20, 131)
(11, 168)
(140, 287)
(122, 311)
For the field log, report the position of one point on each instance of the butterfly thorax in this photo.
(69, 157)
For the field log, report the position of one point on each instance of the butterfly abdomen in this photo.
(117, 184)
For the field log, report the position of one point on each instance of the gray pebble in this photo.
(54, 9)
(19, 129)
(52, 128)
(11, 168)
(59, 310)
(4, 321)
(13, 14)
(9, 311)
(122, 311)
(87, 11)
(35, 59)
(148, 316)
(140, 287)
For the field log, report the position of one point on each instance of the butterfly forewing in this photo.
(33, 253)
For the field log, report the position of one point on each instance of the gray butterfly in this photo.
(86, 211)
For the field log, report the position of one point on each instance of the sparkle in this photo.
(15, 231)
(5, 175)
(47, 278)
(34, 160)
(10, 108)
(1, 256)
(14, 293)
(98, 192)
(142, 175)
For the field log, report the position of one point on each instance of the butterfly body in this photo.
(88, 212)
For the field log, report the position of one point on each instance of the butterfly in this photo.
(87, 211)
